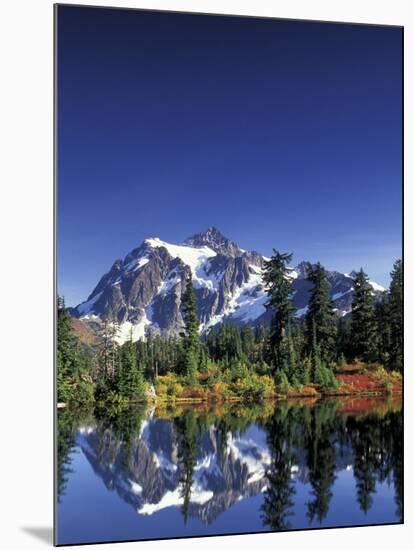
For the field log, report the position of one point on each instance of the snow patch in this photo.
(196, 258)
(136, 264)
(175, 498)
(376, 286)
(135, 330)
(252, 455)
(338, 295)
(300, 312)
(293, 274)
(135, 487)
(168, 284)
(246, 303)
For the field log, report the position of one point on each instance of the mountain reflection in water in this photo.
(139, 474)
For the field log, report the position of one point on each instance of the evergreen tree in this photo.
(293, 370)
(261, 341)
(66, 359)
(321, 316)
(395, 312)
(190, 336)
(73, 379)
(343, 341)
(276, 278)
(109, 377)
(132, 380)
(363, 323)
(320, 373)
(108, 347)
(247, 340)
(316, 364)
(382, 316)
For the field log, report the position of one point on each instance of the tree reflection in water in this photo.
(268, 449)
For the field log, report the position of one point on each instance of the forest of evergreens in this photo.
(240, 362)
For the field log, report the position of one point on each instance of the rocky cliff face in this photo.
(143, 292)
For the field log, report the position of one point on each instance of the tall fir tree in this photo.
(395, 317)
(190, 335)
(131, 379)
(247, 342)
(66, 357)
(277, 282)
(108, 348)
(320, 316)
(364, 335)
(73, 379)
(382, 315)
(343, 341)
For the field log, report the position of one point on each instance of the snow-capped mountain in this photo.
(143, 291)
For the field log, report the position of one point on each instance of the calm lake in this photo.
(198, 470)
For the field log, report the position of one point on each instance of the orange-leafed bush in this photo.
(220, 388)
(309, 391)
(191, 392)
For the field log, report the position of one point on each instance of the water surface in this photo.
(196, 470)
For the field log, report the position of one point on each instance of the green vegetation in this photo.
(364, 333)
(320, 319)
(289, 357)
(74, 382)
(191, 348)
(276, 278)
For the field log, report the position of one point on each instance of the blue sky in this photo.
(282, 134)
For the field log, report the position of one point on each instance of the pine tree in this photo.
(382, 315)
(364, 336)
(132, 379)
(343, 340)
(321, 316)
(190, 336)
(108, 351)
(276, 278)
(109, 360)
(320, 373)
(395, 312)
(73, 378)
(66, 359)
(247, 339)
(317, 368)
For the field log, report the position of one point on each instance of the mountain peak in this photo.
(302, 268)
(144, 291)
(214, 239)
(212, 234)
